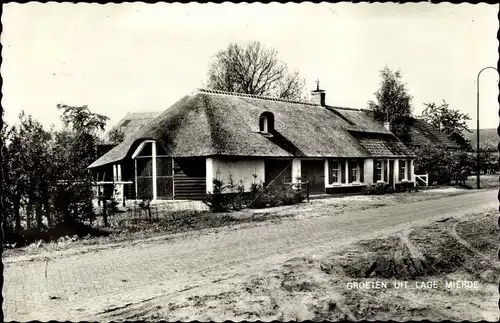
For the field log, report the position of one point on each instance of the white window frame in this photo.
(381, 170)
(265, 126)
(357, 171)
(153, 157)
(407, 168)
(337, 172)
(403, 165)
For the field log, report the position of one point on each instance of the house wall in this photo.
(396, 171)
(368, 171)
(209, 166)
(296, 170)
(189, 178)
(240, 170)
(412, 170)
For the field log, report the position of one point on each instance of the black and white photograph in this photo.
(250, 162)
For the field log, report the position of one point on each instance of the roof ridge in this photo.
(343, 108)
(262, 97)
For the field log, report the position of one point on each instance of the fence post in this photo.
(307, 191)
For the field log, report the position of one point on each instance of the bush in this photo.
(377, 189)
(67, 227)
(216, 200)
(405, 187)
(220, 200)
(444, 166)
(277, 195)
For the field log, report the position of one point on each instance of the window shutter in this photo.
(386, 174)
(342, 170)
(361, 171)
(330, 172)
(349, 171)
(408, 165)
(374, 171)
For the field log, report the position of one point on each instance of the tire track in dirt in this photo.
(417, 257)
(452, 230)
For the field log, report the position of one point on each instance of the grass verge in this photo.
(140, 229)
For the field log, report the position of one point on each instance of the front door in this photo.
(313, 171)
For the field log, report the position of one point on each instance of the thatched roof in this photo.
(382, 145)
(132, 122)
(209, 123)
(360, 120)
(423, 133)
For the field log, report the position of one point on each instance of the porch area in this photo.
(150, 174)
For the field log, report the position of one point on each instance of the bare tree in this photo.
(254, 69)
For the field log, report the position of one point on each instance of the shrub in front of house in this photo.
(277, 195)
(216, 200)
(405, 187)
(234, 197)
(377, 189)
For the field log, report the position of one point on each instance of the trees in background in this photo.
(254, 69)
(393, 104)
(452, 122)
(46, 180)
(444, 166)
(26, 158)
(78, 139)
(116, 135)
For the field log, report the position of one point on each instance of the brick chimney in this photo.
(318, 96)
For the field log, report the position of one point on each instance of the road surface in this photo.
(91, 285)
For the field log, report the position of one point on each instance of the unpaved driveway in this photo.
(92, 285)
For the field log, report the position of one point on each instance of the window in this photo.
(263, 124)
(266, 122)
(354, 172)
(335, 169)
(125, 123)
(402, 169)
(147, 150)
(378, 171)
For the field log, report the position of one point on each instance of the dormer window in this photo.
(266, 122)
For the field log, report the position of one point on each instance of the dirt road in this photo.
(94, 285)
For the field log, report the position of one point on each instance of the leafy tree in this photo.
(45, 172)
(452, 122)
(78, 140)
(443, 165)
(393, 104)
(26, 158)
(116, 135)
(254, 69)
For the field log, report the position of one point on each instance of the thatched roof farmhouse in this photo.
(213, 134)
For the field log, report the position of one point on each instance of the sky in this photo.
(137, 57)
